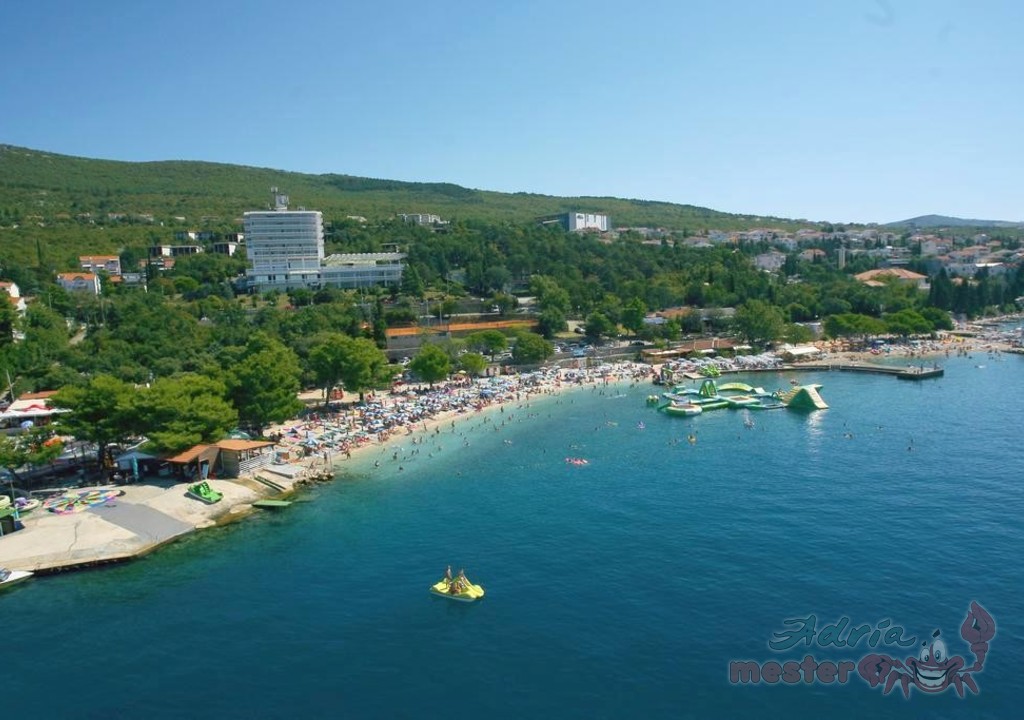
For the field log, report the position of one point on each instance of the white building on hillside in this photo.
(577, 221)
(111, 264)
(357, 270)
(285, 247)
(286, 251)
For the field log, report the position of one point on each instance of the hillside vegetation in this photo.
(60, 200)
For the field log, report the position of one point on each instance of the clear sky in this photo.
(841, 110)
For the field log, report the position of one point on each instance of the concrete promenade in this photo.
(147, 515)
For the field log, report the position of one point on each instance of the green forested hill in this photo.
(51, 188)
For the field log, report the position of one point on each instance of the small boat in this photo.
(457, 588)
(577, 461)
(203, 491)
(12, 577)
(26, 505)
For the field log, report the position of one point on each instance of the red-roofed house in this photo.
(30, 407)
(812, 255)
(79, 282)
(879, 276)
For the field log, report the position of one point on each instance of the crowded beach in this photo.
(137, 517)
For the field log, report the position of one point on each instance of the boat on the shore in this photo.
(202, 491)
(12, 577)
(458, 588)
(26, 505)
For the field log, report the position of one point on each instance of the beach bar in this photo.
(239, 458)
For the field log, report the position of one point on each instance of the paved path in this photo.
(148, 524)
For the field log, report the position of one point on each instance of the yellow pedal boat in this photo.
(449, 589)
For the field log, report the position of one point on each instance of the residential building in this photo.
(198, 236)
(111, 264)
(226, 247)
(164, 250)
(80, 282)
(13, 294)
(420, 218)
(771, 261)
(133, 279)
(578, 221)
(812, 255)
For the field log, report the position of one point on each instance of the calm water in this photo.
(617, 589)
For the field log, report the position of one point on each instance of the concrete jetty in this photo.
(903, 373)
(143, 517)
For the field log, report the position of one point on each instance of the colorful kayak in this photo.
(457, 589)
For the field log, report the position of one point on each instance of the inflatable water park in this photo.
(687, 401)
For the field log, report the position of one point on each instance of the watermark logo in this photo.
(934, 670)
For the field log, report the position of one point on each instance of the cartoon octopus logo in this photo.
(933, 670)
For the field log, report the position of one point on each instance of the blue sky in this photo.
(849, 111)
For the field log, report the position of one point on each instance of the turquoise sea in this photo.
(622, 588)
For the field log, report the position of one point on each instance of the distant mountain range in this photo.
(939, 221)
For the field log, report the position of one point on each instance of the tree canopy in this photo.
(264, 383)
(431, 364)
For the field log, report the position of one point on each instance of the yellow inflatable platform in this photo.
(460, 589)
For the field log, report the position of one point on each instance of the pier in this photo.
(919, 372)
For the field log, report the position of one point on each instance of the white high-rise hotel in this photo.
(286, 251)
